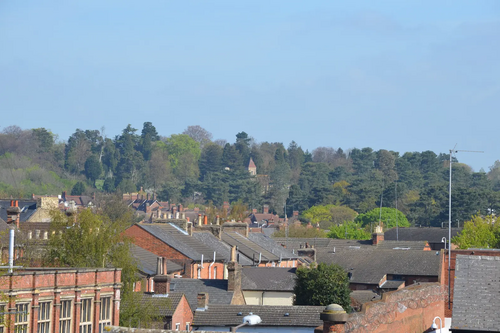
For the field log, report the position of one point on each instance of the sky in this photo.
(395, 75)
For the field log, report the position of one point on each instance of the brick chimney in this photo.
(266, 209)
(254, 211)
(202, 302)
(295, 213)
(334, 318)
(234, 279)
(14, 213)
(378, 235)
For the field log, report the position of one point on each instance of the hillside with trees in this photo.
(193, 168)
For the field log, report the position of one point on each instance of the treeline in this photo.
(192, 168)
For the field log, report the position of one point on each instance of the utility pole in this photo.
(452, 151)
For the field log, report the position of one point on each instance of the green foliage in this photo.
(329, 214)
(348, 230)
(479, 232)
(388, 218)
(322, 285)
(300, 231)
(78, 189)
(93, 168)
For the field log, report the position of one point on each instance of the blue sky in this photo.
(396, 75)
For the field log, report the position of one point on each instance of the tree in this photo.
(479, 232)
(300, 231)
(348, 230)
(78, 189)
(389, 216)
(322, 285)
(329, 215)
(198, 134)
(93, 168)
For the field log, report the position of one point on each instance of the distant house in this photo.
(477, 290)
(252, 168)
(268, 285)
(174, 310)
(433, 236)
(170, 242)
(375, 264)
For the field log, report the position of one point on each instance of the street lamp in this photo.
(434, 326)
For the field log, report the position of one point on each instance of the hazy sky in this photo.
(398, 75)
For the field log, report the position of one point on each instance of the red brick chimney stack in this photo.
(266, 209)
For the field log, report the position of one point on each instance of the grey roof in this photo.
(368, 265)
(219, 246)
(185, 244)
(298, 243)
(247, 247)
(28, 208)
(431, 235)
(406, 245)
(228, 315)
(166, 304)
(216, 289)
(269, 244)
(268, 278)
(476, 294)
(364, 296)
(147, 261)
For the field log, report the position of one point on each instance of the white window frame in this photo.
(199, 272)
(187, 326)
(3, 307)
(86, 315)
(44, 315)
(65, 316)
(215, 272)
(177, 326)
(105, 314)
(22, 318)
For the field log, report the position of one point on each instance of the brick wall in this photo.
(44, 285)
(182, 314)
(444, 270)
(411, 309)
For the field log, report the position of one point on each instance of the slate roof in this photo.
(227, 315)
(216, 289)
(364, 296)
(247, 247)
(476, 294)
(270, 244)
(220, 247)
(166, 304)
(431, 235)
(391, 284)
(147, 261)
(28, 208)
(268, 278)
(368, 265)
(187, 245)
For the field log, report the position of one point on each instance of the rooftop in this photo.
(232, 315)
(216, 289)
(268, 278)
(476, 294)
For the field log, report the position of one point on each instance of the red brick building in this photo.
(42, 300)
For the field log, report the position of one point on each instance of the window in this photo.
(199, 272)
(2, 318)
(44, 317)
(105, 316)
(65, 317)
(215, 272)
(187, 326)
(22, 318)
(177, 326)
(86, 316)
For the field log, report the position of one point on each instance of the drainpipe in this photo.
(260, 258)
(11, 250)
(202, 261)
(210, 268)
